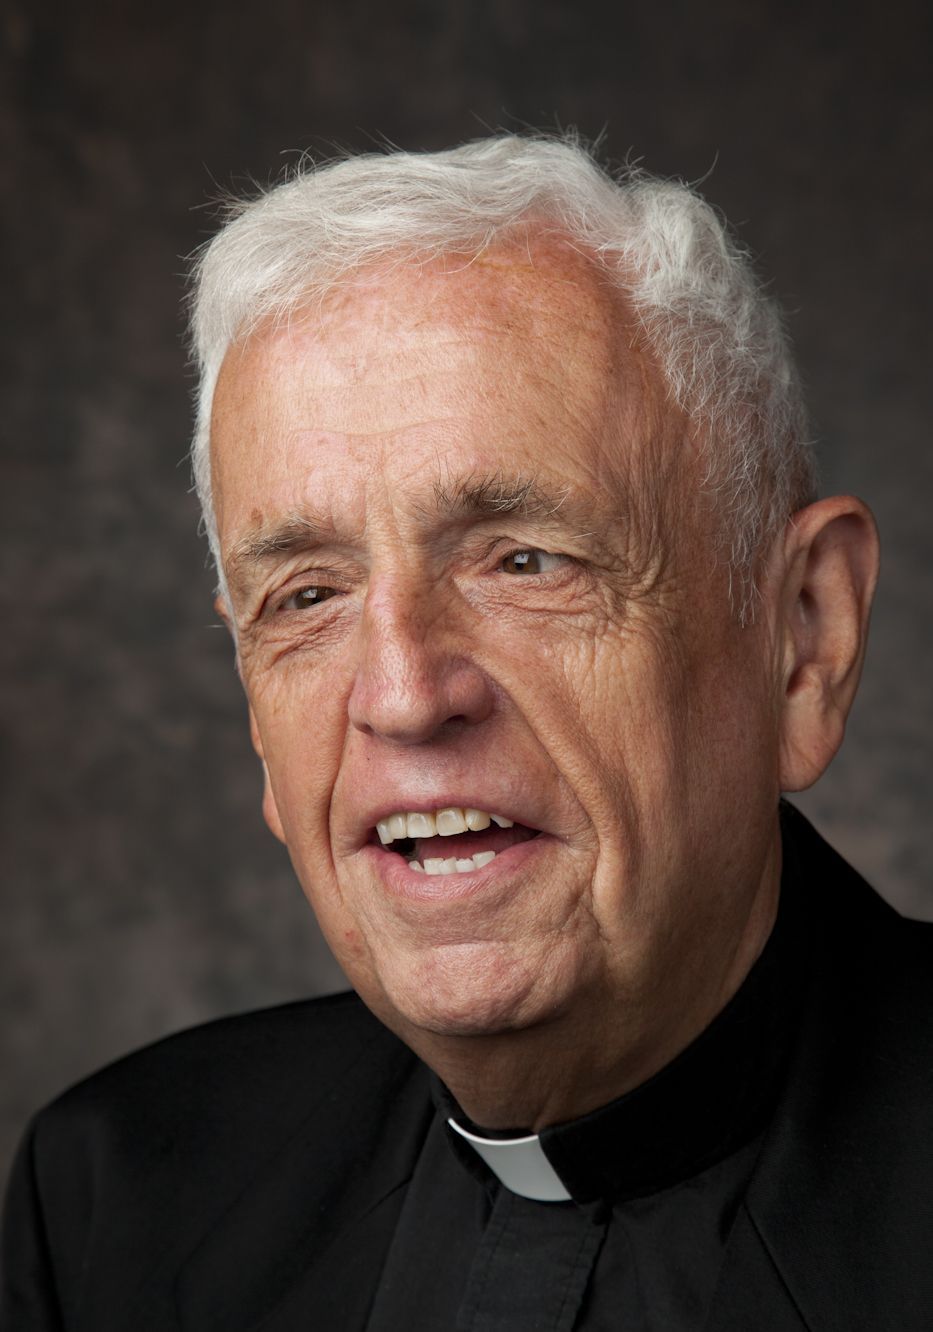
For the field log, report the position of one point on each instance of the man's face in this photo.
(471, 568)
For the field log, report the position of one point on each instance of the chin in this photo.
(469, 990)
(476, 990)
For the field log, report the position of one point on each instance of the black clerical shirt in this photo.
(287, 1169)
(655, 1179)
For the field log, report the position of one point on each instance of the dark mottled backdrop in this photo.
(140, 890)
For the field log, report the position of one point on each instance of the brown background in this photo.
(140, 889)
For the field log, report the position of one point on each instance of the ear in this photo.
(830, 569)
(270, 810)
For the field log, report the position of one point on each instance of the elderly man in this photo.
(505, 471)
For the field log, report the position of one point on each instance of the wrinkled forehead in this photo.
(535, 287)
(525, 350)
(539, 300)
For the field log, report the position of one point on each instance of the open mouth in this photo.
(452, 840)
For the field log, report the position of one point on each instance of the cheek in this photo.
(299, 720)
(632, 694)
(301, 724)
(653, 738)
(608, 707)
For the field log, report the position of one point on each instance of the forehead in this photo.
(522, 359)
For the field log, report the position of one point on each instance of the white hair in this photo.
(716, 337)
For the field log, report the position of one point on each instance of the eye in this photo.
(306, 597)
(529, 562)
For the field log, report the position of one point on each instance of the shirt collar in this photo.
(518, 1163)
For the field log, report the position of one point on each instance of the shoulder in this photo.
(873, 968)
(124, 1172)
(843, 1193)
(327, 1027)
(216, 1080)
(188, 1117)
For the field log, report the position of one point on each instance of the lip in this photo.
(395, 874)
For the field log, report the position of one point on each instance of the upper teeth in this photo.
(437, 823)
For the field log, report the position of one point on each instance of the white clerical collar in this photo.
(519, 1164)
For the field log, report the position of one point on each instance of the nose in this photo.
(415, 676)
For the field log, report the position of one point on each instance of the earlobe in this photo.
(270, 810)
(829, 573)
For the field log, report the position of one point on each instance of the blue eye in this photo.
(529, 562)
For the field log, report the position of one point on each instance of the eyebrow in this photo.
(496, 495)
(258, 547)
(469, 497)
(524, 497)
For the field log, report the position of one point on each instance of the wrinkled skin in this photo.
(607, 697)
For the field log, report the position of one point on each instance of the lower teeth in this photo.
(453, 866)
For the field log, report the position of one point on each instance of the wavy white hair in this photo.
(717, 338)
